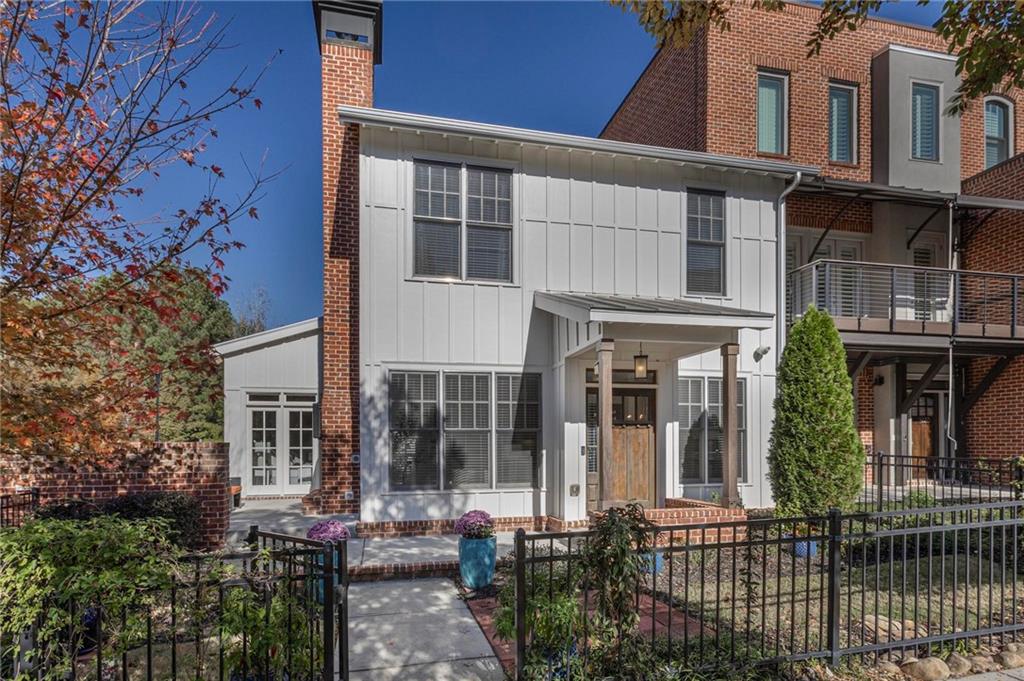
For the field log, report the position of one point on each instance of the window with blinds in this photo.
(467, 431)
(440, 228)
(518, 428)
(997, 132)
(924, 122)
(771, 113)
(699, 410)
(413, 419)
(842, 122)
(464, 436)
(705, 243)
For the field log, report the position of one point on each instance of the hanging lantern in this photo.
(640, 364)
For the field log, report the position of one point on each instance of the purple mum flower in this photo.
(475, 525)
(328, 530)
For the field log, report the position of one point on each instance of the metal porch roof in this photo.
(597, 307)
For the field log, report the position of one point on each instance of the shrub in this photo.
(815, 456)
(54, 572)
(180, 510)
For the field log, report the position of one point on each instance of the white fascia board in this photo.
(487, 131)
(576, 313)
(722, 321)
(275, 335)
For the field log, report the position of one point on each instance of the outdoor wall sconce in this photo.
(761, 352)
(640, 364)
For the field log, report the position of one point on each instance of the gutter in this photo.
(780, 267)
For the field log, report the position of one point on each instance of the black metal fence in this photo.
(769, 591)
(905, 482)
(276, 611)
(17, 506)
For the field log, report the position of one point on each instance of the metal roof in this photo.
(450, 126)
(597, 307)
(871, 191)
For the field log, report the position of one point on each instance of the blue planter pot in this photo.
(653, 563)
(476, 561)
(805, 549)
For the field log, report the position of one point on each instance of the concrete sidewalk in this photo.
(416, 630)
(1005, 675)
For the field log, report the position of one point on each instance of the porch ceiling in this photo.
(595, 307)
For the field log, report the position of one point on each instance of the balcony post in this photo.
(892, 299)
(956, 301)
(814, 284)
(1013, 308)
(828, 288)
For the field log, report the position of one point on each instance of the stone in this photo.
(889, 668)
(928, 669)
(1014, 647)
(1010, 659)
(881, 629)
(958, 665)
(981, 664)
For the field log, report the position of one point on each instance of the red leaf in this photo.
(258, 103)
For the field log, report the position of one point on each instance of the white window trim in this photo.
(494, 487)
(854, 122)
(748, 411)
(784, 77)
(938, 127)
(463, 162)
(1010, 115)
(726, 241)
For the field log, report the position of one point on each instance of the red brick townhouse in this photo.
(542, 325)
(892, 237)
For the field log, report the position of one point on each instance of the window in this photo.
(463, 437)
(997, 132)
(264, 447)
(842, 123)
(705, 243)
(701, 435)
(467, 431)
(439, 227)
(414, 430)
(771, 113)
(300, 446)
(518, 428)
(924, 122)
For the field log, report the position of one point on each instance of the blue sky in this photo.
(554, 66)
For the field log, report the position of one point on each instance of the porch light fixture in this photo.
(640, 364)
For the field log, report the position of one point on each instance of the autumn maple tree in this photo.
(94, 104)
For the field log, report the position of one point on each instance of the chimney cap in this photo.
(350, 22)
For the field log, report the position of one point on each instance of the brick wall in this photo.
(992, 425)
(803, 210)
(866, 409)
(346, 78)
(200, 469)
(776, 40)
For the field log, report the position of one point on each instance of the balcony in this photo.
(900, 299)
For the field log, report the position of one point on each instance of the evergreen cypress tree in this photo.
(815, 457)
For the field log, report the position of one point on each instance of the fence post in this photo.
(327, 577)
(879, 482)
(251, 538)
(520, 548)
(835, 534)
(343, 583)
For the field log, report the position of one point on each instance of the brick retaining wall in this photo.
(198, 468)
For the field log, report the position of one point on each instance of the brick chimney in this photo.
(349, 35)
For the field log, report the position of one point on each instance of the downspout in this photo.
(954, 260)
(780, 267)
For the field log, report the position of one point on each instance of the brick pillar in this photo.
(346, 69)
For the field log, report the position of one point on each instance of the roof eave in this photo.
(449, 126)
(267, 337)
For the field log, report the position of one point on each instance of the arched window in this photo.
(997, 131)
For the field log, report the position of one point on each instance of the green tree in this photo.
(190, 388)
(986, 35)
(815, 456)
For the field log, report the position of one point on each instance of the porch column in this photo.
(730, 434)
(605, 348)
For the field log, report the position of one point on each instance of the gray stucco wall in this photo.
(893, 73)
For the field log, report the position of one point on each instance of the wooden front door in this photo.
(633, 450)
(923, 423)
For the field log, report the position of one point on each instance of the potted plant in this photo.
(802, 546)
(477, 549)
(333, 531)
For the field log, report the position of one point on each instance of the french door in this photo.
(282, 451)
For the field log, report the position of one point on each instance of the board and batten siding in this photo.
(582, 221)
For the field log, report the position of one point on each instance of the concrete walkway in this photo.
(416, 630)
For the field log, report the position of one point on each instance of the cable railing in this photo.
(885, 298)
